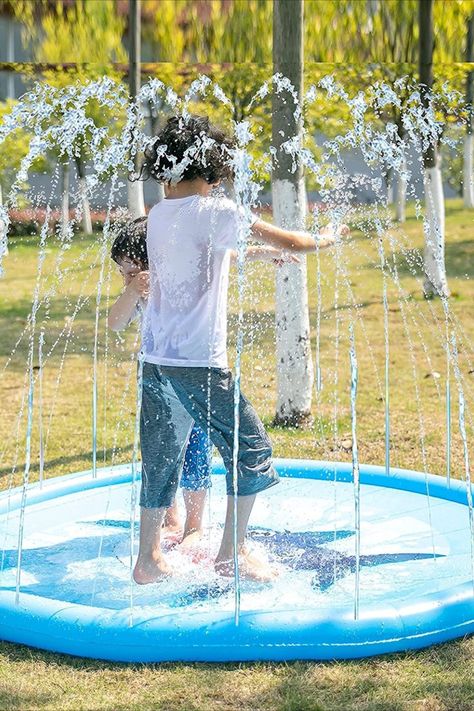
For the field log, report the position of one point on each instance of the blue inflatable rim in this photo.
(212, 636)
(404, 479)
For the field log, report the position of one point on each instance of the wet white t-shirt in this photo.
(189, 243)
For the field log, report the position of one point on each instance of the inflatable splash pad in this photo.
(72, 591)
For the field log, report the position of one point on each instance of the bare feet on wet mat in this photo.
(191, 538)
(173, 538)
(151, 570)
(172, 529)
(251, 567)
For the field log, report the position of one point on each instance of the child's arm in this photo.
(266, 253)
(294, 241)
(122, 311)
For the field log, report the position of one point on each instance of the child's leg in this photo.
(172, 520)
(164, 430)
(225, 556)
(255, 471)
(151, 565)
(195, 481)
(194, 502)
(251, 567)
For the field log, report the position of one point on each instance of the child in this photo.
(129, 252)
(190, 237)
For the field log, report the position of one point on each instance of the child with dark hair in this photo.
(191, 236)
(189, 148)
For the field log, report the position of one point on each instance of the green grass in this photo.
(437, 679)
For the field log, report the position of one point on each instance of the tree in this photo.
(384, 41)
(468, 167)
(294, 362)
(136, 203)
(435, 282)
(13, 150)
(189, 37)
(90, 35)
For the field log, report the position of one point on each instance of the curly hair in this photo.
(188, 147)
(131, 242)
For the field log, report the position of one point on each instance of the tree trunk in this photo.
(401, 192)
(136, 201)
(467, 183)
(468, 167)
(10, 59)
(294, 362)
(85, 207)
(3, 234)
(65, 200)
(154, 126)
(435, 274)
(389, 184)
(435, 283)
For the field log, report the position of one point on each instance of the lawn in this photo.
(437, 679)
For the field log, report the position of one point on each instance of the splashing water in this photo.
(355, 465)
(59, 120)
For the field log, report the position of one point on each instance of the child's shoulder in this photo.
(218, 203)
(153, 210)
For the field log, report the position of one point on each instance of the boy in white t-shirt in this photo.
(186, 380)
(129, 252)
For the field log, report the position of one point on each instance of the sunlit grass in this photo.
(436, 680)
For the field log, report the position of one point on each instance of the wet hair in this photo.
(131, 242)
(188, 147)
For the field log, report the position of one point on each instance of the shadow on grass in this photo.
(259, 326)
(385, 683)
(15, 331)
(459, 261)
(21, 309)
(349, 307)
(50, 464)
(11, 699)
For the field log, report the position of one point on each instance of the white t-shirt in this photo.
(189, 243)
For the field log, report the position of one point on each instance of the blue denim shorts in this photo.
(196, 474)
(176, 398)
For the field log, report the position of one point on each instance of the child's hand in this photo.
(328, 235)
(140, 284)
(285, 258)
(276, 256)
(328, 231)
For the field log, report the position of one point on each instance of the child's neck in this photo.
(186, 188)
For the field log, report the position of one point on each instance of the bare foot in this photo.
(151, 570)
(191, 538)
(171, 540)
(251, 567)
(172, 531)
(171, 525)
(172, 520)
